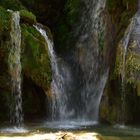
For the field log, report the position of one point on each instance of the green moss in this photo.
(27, 16)
(5, 27)
(4, 20)
(64, 32)
(35, 60)
(5, 88)
(121, 14)
(12, 4)
(132, 67)
(101, 40)
(129, 4)
(138, 88)
(72, 8)
(111, 5)
(72, 17)
(132, 64)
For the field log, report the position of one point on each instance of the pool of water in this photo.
(79, 130)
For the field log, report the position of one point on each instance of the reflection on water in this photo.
(73, 130)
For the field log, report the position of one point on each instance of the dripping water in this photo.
(125, 44)
(60, 81)
(16, 116)
(132, 35)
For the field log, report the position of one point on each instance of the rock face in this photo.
(130, 47)
(34, 59)
(125, 75)
(4, 51)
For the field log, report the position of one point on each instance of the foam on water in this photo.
(73, 124)
(14, 130)
(120, 126)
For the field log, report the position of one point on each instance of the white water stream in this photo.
(15, 70)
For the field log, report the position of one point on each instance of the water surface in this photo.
(81, 130)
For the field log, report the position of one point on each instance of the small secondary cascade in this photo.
(60, 79)
(15, 70)
(131, 32)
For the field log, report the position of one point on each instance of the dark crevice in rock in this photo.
(34, 100)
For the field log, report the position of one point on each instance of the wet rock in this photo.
(34, 58)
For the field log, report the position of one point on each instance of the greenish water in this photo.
(107, 132)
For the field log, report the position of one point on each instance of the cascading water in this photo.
(125, 43)
(60, 80)
(15, 70)
(93, 67)
(80, 105)
(131, 35)
(91, 33)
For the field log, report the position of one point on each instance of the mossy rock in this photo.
(132, 63)
(127, 4)
(27, 17)
(4, 20)
(15, 5)
(5, 82)
(138, 88)
(4, 45)
(35, 59)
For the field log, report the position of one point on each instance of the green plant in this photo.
(4, 19)
(27, 16)
(12, 4)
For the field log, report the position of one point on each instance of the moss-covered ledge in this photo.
(27, 17)
(5, 88)
(35, 59)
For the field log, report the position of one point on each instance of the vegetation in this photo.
(12, 4)
(35, 60)
(66, 25)
(27, 17)
(4, 20)
(4, 51)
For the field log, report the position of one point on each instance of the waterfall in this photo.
(91, 34)
(125, 43)
(132, 35)
(60, 81)
(15, 70)
(80, 103)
